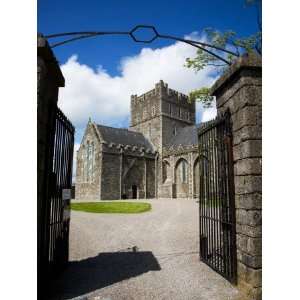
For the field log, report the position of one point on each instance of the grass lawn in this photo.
(112, 207)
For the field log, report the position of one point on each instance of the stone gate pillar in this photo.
(49, 79)
(239, 90)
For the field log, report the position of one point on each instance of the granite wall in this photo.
(240, 91)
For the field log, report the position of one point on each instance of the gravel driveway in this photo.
(152, 255)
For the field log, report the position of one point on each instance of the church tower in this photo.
(160, 113)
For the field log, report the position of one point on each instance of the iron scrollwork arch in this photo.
(133, 34)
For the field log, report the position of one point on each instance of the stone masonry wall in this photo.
(173, 188)
(168, 127)
(86, 190)
(145, 116)
(110, 177)
(151, 130)
(156, 114)
(150, 189)
(239, 90)
(158, 111)
(135, 176)
(115, 169)
(141, 174)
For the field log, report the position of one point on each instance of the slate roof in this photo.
(185, 136)
(124, 136)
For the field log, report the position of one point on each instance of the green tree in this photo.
(227, 40)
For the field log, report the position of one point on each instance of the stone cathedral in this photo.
(155, 158)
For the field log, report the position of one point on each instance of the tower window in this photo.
(153, 110)
(174, 130)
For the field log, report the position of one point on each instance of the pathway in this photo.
(146, 256)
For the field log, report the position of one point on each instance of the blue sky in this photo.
(101, 73)
(170, 17)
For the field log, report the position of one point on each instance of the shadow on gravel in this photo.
(94, 273)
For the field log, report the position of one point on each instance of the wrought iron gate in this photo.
(60, 178)
(217, 209)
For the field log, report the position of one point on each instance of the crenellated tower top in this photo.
(160, 112)
(161, 101)
(161, 89)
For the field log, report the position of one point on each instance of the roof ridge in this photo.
(112, 127)
(123, 136)
(124, 129)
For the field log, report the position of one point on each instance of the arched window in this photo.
(181, 171)
(184, 168)
(165, 171)
(92, 161)
(89, 161)
(86, 161)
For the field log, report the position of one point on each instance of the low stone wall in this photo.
(239, 90)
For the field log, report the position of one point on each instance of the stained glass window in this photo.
(89, 163)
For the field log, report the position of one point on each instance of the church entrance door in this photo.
(134, 192)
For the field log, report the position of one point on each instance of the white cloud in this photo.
(106, 98)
